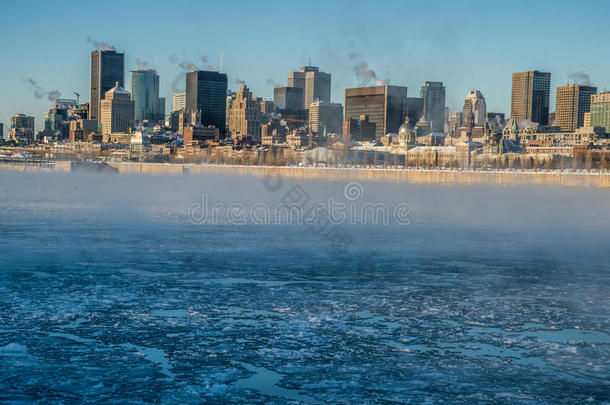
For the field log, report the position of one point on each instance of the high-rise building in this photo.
(456, 120)
(161, 109)
(475, 109)
(207, 91)
(530, 96)
(288, 98)
(600, 110)
(245, 117)
(325, 117)
(19, 121)
(359, 129)
(433, 94)
(386, 107)
(415, 109)
(317, 87)
(145, 94)
(315, 84)
(573, 101)
(1, 131)
(107, 68)
(179, 101)
(117, 111)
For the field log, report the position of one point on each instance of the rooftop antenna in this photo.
(221, 61)
(77, 97)
(309, 61)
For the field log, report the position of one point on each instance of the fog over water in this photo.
(112, 289)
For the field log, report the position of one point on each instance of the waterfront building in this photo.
(207, 91)
(385, 106)
(530, 96)
(117, 111)
(325, 117)
(245, 117)
(573, 101)
(433, 95)
(107, 68)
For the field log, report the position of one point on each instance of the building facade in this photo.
(433, 94)
(325, 117)
(600, 110)
(386, 107)
(178, 101)
(145, 95)
(245, 117)
(359, 129)
(315, 84)
(573, 101)
(207, 91)
(117, 114)
(530, 96)
(107, 68)
(288, 98)
(22, 121)
(475, 109)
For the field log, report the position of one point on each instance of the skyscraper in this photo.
(475, 109)
(315, 84)
(288, 98)
(530, 96)
(325, 117)
(433, 94)
(179, 101)
(573, 101)
(145, 94)
(207, 91)
(600, 110)
(22, 121)
(245, 117)
(386, 107)
(107, 68)
(117, 111)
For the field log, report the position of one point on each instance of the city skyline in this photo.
(51, 60)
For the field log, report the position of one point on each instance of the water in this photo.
(490, 295)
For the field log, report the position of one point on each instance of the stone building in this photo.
(117, 111)
(245, 117)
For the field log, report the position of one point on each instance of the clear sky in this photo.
(465, 44)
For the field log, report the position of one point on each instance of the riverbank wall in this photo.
(419, 176)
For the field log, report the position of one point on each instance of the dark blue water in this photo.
(108, 293)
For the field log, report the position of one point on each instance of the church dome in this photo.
(405, 129)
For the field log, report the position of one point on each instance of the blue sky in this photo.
(467, 45)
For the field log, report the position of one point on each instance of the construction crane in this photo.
(77, 97)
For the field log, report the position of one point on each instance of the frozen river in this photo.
(108, 292)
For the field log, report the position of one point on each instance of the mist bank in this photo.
(417, 176)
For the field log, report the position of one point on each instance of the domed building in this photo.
(406, 133)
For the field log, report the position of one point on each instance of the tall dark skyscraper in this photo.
(145, 94)
(107, 68)
(207, 91)
(530, 96)
(386, 106)
(433, 94)
(288, 98)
